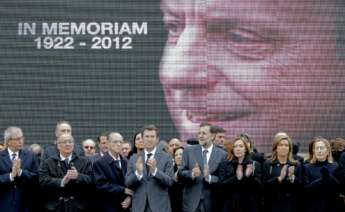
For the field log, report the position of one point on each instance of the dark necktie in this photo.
(204, 156)
(66, 163)
(118, 163)
(148, 156)
(14, 155)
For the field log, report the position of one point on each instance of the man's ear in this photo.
(213, 137)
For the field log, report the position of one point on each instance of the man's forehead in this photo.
(174, 140)
(173, 4)
(149, 132)
(125, 145)
(115, 137)
(88, 142)
(17, 135)
(259, 10)
(205, 128)
(103, 138)
(64, 126)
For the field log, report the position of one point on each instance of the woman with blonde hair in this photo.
(282, 176)
(240, 178)
(321, 185)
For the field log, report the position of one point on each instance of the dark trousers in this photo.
(147, 206)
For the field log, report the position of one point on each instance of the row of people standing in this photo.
(280, 183)
(208, 178)
(244, 181)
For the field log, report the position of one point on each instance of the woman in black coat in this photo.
(282, 176)
(240, 179)
(321, 185)
(176, 190)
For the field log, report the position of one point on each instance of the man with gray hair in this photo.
(89, 147)
(66, 177)
(62, 127)
(18, 171)
(109, 176)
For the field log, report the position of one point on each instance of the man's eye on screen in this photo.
(174, 31)
(249, 45)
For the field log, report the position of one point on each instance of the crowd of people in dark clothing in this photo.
(147, 174)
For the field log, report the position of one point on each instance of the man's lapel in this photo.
(198, 157)
(211, 161)
(6, 158)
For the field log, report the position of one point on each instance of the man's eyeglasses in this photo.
(17, 138)
(89, 147)
(115, 142)
(66, 142)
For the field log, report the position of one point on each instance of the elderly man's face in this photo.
(115, 147)
(65, 144)
(16, 143)
(89, 147)
(253, 66)
(115, 143)
(63, 128)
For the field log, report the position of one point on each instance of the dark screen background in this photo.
(96, 90)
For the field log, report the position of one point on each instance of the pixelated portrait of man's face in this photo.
(257, 67)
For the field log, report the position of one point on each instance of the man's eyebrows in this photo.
(229, 20)
(172, 13)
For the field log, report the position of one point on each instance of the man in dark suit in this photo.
(66, 178)
(18, 173)
(62, 127)
(150, 179)
(198, 167)
(103, 146)
(109, 175)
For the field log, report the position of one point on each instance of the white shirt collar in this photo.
(208, 154)
(153, 152)
(10, 153)
(64, 158)
(209, 149)
(111, 155)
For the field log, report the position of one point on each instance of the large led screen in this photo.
(255, 67)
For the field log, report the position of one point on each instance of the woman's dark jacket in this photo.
(175, 193)
(322, 188)
(239, 195)
(281, 196)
